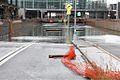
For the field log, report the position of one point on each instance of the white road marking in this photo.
(13, 53)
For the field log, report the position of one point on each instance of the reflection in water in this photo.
(57, 31)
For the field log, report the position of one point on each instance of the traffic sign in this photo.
(69, 8)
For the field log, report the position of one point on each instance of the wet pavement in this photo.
(99, 55)
(112, 48)
(7, 47)
(110, 43)
(33, 64)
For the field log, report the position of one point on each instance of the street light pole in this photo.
(117, 15)
(117, 8)
(75, 34)
(68, 8)
(75, 17)
(68, 26)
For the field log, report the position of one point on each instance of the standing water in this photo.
(55, 32)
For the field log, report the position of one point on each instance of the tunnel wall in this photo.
(23, 28)
(108, 24)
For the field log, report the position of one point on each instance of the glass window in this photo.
(64, 2)
(22, 5)
(40, 4)
(28, 3)
(9, 1)
(54, 5)
(14, 2)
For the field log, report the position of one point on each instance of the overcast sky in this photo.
(112, 1)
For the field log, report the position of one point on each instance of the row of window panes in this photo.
(13, 2)
(49, 5)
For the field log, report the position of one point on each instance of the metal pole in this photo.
(109, 13)
(24, 6)
(84, 56)
(68, 24)
(75, 16)
(38, 14)
(75, 34)
(68, 29)
(117, 15)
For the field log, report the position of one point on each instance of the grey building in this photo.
(97, 9)
(114, 11)
(56, 8)
(48, 8)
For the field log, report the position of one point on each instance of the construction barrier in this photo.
(85, 69)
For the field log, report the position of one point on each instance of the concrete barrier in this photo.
(108, 24)
(19, 28)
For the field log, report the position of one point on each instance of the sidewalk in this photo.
(98, 55)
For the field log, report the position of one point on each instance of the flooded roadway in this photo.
(55, 32)
(33, 62)
(107, 39)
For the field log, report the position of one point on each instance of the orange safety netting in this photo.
(87, 70)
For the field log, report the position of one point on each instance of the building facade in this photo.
(114, 11)
(50, 4)
(56, 8)
(99, 7)
(47, 8)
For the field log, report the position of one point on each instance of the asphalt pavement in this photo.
(33, 64)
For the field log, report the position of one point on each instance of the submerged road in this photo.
(33, 64)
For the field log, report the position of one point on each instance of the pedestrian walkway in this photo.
(96, 54)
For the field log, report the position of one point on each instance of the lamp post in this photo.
(117, 15)
(117, 8)
(75, 34)
(68, 8)
(109, 14)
